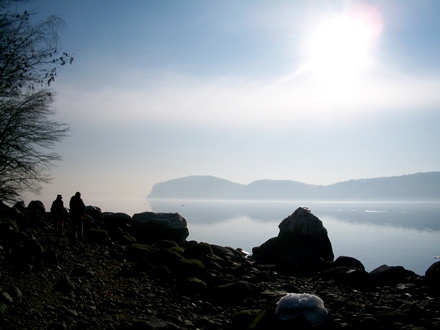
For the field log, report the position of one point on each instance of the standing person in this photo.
(57, 212)
(77, 209)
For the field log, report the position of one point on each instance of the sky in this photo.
(312, 91)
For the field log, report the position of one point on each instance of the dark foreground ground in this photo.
(108, 281)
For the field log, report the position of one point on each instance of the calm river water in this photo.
(393, 233)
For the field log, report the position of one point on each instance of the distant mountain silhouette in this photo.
(412, 187)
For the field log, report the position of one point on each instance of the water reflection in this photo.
(420, 215)
(404, 234)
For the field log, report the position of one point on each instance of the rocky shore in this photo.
(116, 278)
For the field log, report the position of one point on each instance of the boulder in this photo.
(302, 305)
(233, 293)
(353, 277)
(189, 268)
(152, 226)
(116, 220)
(391, 275)
(6, 298)
(13, 214)
(15, 292)
(9, 229)
(226, 252)
(198, 250)
(97, 235)
(121, 236)
(94, 212)
(138, 251)
(20, 206)
(3, 310)
(432, 276)
(37, 206)
(165, 257)
(301, 232)
(344, 261)
(302, 264)
(302, 223)
(293, 311)
(192, 286)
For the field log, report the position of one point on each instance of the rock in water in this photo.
(302, 223)
(301, 234)
(432, 276)
(309, 306)
(158, 226)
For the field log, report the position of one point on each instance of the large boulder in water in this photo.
(302, 223)
(432, 276)
(152, 226)
(302, 232)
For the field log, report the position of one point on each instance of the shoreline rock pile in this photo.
(123, 276)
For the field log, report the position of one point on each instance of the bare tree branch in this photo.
(29, 58)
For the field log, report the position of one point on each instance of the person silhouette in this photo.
(77, 209)
(58, 214)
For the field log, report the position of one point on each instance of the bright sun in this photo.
(341, 47)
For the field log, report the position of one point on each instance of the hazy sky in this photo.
(312, 91)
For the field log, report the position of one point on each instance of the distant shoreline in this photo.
(407, 188)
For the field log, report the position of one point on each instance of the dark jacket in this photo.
(77, 206)
(57, 208)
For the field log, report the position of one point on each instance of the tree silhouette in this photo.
(29, 59)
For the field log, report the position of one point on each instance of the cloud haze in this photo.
(158, 92)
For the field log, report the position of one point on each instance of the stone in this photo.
(152, 226)
(94, 212)
(114, 286)
(12, 215)
(391, 275)
(198, 250)
(301, 232)
(297, 305)
(235, 292)
(302, 264)
(122, 236)
(302, 223)
(353, 277)
(432, 276)
(6, 298)
(189, 268)
(344, 261)
(15, 292)
(138, 251)
(165, 257)
(116, 220)
(20, 206)
(8, 230)
(3, 310)
(3, 206)
(192, 286)
(226, 252)
(36, 206)
(34, 248)
(65, 285)
(97, 235)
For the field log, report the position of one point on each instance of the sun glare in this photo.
(341, 47)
